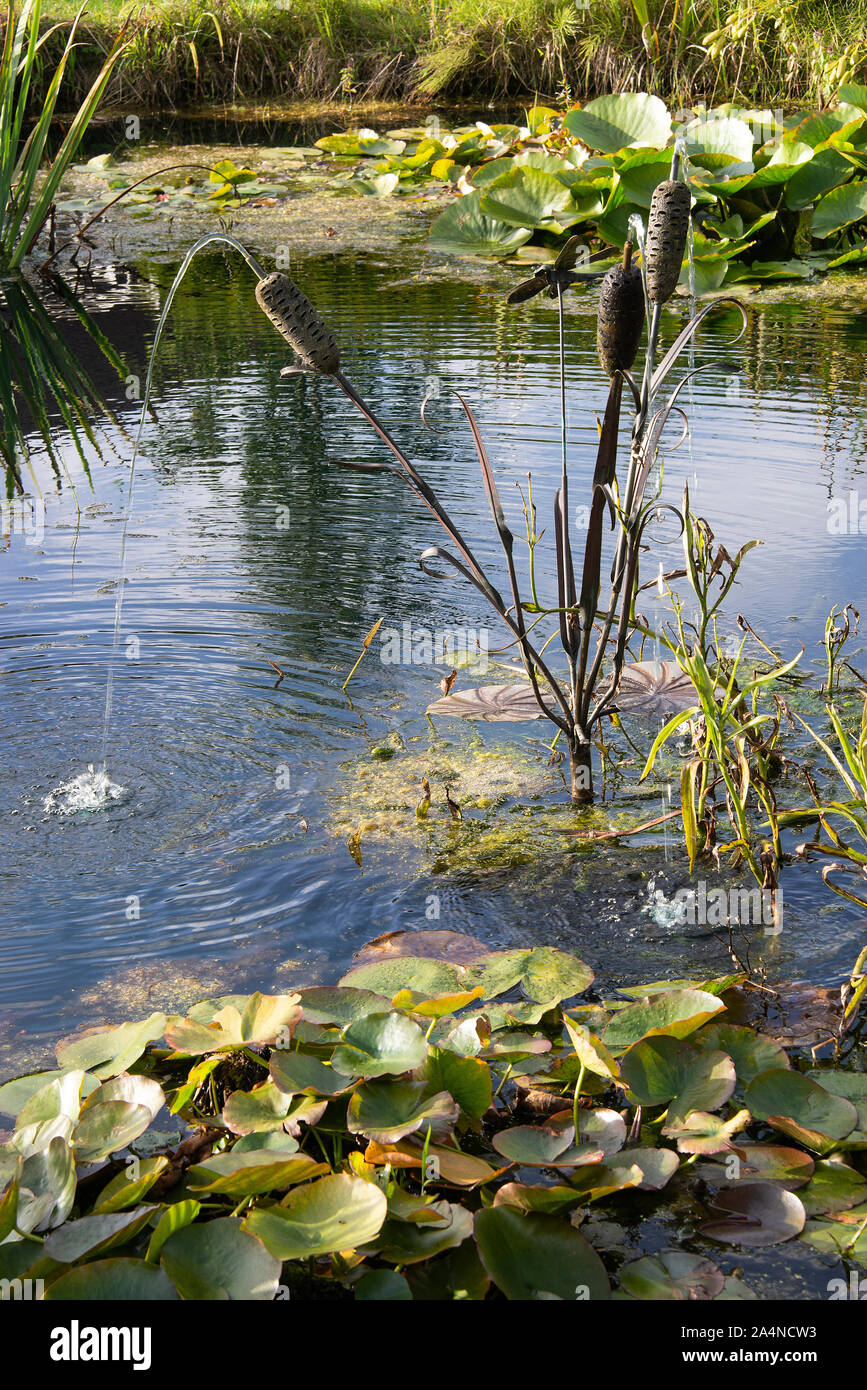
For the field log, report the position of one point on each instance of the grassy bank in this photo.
(184, 52)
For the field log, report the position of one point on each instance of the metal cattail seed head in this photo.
(667, 226)
(621, 315)
(295, 318)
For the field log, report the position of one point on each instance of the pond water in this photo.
(226, 863)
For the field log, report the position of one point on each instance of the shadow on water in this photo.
(228, 862)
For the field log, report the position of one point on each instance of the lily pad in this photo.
(613, 123)
(380, 1045)
(801, 1108)
(676, 1013)
(121, 1280)
(220, 1259)
(107, 1052)
(532, 1257)
(755, 1214)
(389, 1110)
(335, 1213)
(465, 230)
(672, 1276)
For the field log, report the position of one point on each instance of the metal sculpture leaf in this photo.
(654, 687)
(492, 702)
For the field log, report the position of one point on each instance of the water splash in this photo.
(664, 911)
(89, 791)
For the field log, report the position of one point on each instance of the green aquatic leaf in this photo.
(295, 1072)
(252, 1173)
(333, 1004)
(174, 1218)
(751, 1052)
(388, 1110)
(130, 1185)
(543, 1146)
(468, 1079)
(382, 1286)
(264, 1107)
(107, 1052)
(408, 1243)
(801, 1108)
(613, 123)
(672, 1276)
(339, 1212)
(422, 974)
(532, 1256)
(380, 1045)
(464, 230)
(667, 1070)
(676, 1012)
(106, 1128)
(119, 1280)
(456, 1274)
(816, 176)
(833, 1187)
(840, 208)
(15, 1094)
(526, 197)
(219, 1260)
(91, 1234)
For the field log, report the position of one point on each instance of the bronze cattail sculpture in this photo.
(298, 322)
(621, 315)
(667, 227)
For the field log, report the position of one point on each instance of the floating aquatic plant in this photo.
(446, 1121)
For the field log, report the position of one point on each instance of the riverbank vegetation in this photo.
(183, 52)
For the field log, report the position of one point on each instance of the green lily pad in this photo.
(107, 1128)
(383, 1286)
(526, 197)
(296, 1072)
(261, 1018)
(125, 1190)
(468, 1079)
(840, 208)
(456, 1274)
(388, 1110)
(252, 1173)
(751, 1052)
(532, 1257)
(675, 1013)
(121, 1280)
(408, 1243)
(49, 1175)
(663, 1069)
(263, 1108)
(379, 1045)
(339, 1212)
(700, 1132)
(387, 977)
(528, 1197)
(219, 1260)
(540, 1146)
(464, 230)
(14, 1095)
(801, 1108)
(92, 1234)
(833, 1187)
(107, 1052)
(613, 123)
(332, 1004)
(672, 1276)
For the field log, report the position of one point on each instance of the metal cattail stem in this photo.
(621, 315)
(298, 322)
(667, 227)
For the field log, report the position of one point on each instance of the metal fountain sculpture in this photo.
(593, 636)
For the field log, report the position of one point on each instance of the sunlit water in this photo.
(225, 862)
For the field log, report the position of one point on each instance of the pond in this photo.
(228, 861)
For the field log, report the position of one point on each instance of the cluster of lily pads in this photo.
(773, 197)
(451, 1125)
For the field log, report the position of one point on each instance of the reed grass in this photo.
(189, 51)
